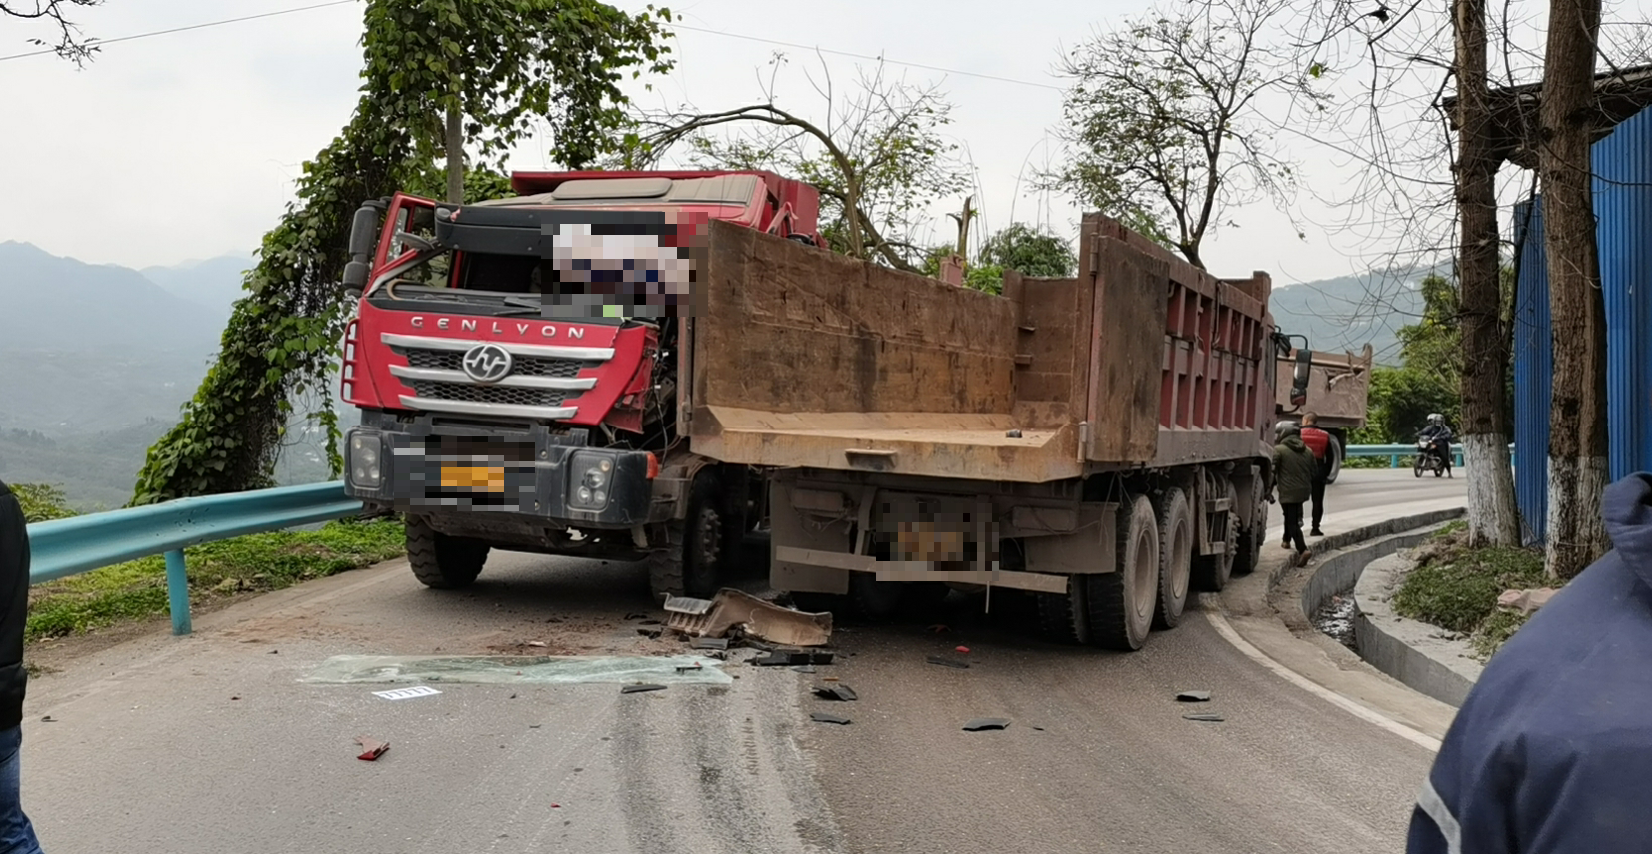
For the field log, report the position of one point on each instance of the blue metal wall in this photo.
(1533, 370)
(1623, 211)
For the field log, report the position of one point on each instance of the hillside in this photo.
(1348, 312)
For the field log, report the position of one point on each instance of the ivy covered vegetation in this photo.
(503, 65)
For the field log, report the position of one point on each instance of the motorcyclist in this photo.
(1438, 436)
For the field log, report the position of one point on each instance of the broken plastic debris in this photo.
(827, 718)
(735, 609)
(783, 658)
(407, 693)
(685, 668)
(637, 689)
(1193, 697)
(835, 692)
(986, 723)
(961, 648)
(1213, 718)
(371, 749)
(49, 719)
(708, 643)
(947, 662)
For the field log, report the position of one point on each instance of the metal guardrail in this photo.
(64, 547)
(1395, 452)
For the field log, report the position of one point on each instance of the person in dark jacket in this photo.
(1319, 442)
(16, 832)
(1293, 475)
(1552, 749)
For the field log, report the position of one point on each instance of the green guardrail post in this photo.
(177, 591)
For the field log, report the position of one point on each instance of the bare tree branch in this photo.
(71, 44)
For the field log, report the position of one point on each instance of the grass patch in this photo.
(1456, 587)
(256, 562)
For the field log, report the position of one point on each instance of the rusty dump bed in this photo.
(805, 358)
(1338, 385)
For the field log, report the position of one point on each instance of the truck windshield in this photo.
(587, 276)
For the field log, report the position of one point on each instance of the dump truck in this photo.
(1103, 442)
(522, 370)
(1332, 386)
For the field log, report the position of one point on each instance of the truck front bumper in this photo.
(528, 476)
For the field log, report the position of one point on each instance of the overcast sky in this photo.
(184, 146)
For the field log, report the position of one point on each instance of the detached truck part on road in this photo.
(522, 368)
(1333, 386)
(1103, 442)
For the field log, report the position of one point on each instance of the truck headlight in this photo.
(366, 455)
(588, 481)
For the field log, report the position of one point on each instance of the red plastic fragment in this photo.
(371, 749)
(963, 649)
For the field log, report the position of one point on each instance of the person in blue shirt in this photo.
(1552, 749)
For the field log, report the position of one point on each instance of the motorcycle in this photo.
(1431, 458)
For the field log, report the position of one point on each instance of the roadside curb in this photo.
(1408, 650)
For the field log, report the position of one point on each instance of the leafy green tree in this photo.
(878, 156)
(498, 65)
(1029, 252)
(41, 502)
(1163, 123)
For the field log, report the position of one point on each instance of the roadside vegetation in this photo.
(251, 564)
(1456, 587)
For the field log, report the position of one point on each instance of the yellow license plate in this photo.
(478, 478)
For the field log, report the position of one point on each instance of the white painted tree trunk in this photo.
(1576, 532)
(1493, 516)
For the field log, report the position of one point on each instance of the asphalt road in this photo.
(210, 743)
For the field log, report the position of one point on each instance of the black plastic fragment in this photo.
(636, 689)
(787, 658)
(827, 718)
(1205, 717)
(986, 723)
(836, 692)
(949, 662)
(1193, 697)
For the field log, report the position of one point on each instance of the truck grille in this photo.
(451, 360)
(435, 373)
(505, 395)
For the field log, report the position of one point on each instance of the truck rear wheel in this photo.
(1122, 602)
(1334, 452)
(1175, 557)
(691, 561)
(1249, 553)
(441, 561)
(1211, 572)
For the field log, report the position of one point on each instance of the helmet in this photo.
(1436, 418)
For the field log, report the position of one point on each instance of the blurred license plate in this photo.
(476, 478)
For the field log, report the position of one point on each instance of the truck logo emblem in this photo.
(487, 363)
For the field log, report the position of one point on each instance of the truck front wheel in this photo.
(441, 561)
(690, 562)
(1335, 453)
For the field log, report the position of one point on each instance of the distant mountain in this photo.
(62, 304)
(213, 284)
(1349, 312)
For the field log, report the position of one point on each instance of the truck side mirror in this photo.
(364, 232)
(1299, 377)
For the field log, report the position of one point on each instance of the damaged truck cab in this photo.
(520, 365)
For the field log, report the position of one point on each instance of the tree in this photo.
(1163, 123)
(70, 44)
(1029, 252)
(501, 63)
(878, 156)
(1576, 534)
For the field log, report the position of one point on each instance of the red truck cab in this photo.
(515, 364)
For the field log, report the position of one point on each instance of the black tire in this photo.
(1211, 572)
(1417, 467)
(1334, 459)
(874, 599)
(691, 562)
(1122, 602)
(1439, 470)
(1065, 617)
(1248, 554)
(1175, 523)
(443, 562)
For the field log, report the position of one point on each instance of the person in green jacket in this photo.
(1293, 476)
